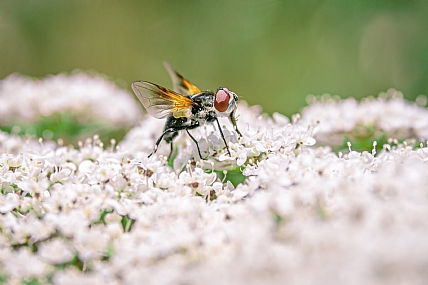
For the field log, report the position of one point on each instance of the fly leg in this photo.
(173, 127)
(194, 140)
(172, 149)
(160, 139)
(232, 119)
(222, 136)
(169, 138)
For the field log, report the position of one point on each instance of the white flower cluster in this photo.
(304, 214)
(89, 98)
(261, 134)
(387, 114)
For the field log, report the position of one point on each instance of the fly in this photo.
(185, 108)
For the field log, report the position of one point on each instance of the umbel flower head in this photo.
(88, 97)
(282, 208)
(65, 104)
(387, 115)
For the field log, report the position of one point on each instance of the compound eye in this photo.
(221, 100)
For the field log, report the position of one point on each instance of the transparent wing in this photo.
(160, 101)
(181, 84)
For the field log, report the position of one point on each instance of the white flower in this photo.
(91, 244)
(33, 186)
(198, 180)
(299, 135)
(36, 229)
(166, 180)
(24, 264)
(269, 144)
(130, 218)
(114, 229)
(90, 94)
(55, 251)
(8, 202)
(248, 138)
(388, 113)
(140, 140)
(68, 224)
(61, 175)
(273, 172)
(72, 275)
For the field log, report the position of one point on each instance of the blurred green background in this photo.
(271, 53)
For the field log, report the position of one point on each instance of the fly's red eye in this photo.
(221, 100)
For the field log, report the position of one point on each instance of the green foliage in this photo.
(30, 281)
(234, 175)
(66, 127)
(4, 191)
(362, 139)
(103, 214)
(110, 252)
(3, 278)
(127, 223)
(278, 218)
(75, 261)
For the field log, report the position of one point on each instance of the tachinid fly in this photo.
(185, 108)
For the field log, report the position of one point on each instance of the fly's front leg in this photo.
(232, 119)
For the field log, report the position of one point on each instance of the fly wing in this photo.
(181, 84)
(160, 101)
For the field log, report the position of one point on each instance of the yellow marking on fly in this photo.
(180, 113)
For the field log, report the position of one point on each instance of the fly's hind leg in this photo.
(157, 144)
(168, 139)
(171, 145)
(172, 127)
